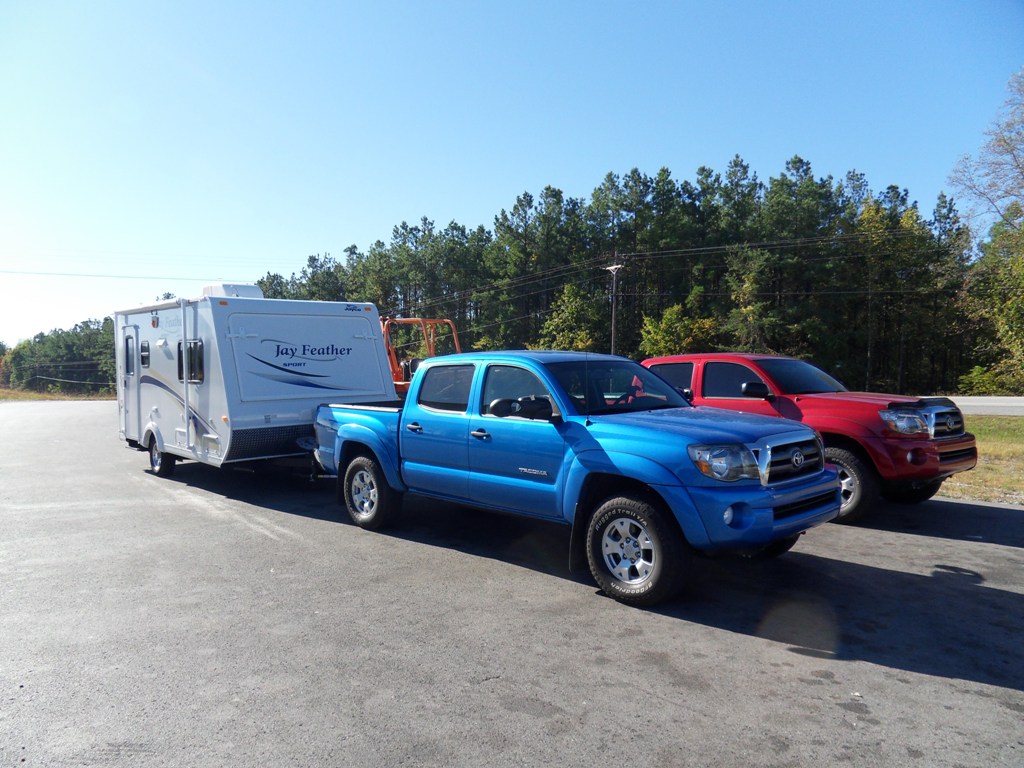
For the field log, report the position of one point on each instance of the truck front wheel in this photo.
(635, 553)
(370, 501)
(858, 484)
(161, 463)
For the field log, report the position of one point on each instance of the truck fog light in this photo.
(727, 516)
(916, 457)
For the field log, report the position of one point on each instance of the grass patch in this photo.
(999, 476)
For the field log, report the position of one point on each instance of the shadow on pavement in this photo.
(946, 623)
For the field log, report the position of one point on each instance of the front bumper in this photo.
(734, 517)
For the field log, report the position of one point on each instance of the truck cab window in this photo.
(726, 379)
(511, 382)
(446, 388)
(679, 375)
(192, 354)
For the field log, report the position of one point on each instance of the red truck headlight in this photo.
(905, 422)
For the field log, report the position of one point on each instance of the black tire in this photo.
(161, 464)
(636, 554)
(912, 494)
(776, 548)
(364, 490)
(858, 481)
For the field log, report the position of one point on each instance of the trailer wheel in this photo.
(370, 501)
(162, 464)
(636, 554)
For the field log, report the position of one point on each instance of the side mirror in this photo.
(757, 389)
(533, 407)
(687, 393)
(503, 407)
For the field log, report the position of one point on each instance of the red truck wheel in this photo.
(858, 483)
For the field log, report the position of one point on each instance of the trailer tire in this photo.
(162, 464)
(370, 501)
(636, 554)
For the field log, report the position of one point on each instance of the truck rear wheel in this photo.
(364, 490)
(858, 483)
(161, 463)
(635, 553)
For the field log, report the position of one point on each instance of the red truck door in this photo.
(721, 383)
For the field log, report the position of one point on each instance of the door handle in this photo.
(414, 427)
(483, 434)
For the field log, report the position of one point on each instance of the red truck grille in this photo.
(947, 423)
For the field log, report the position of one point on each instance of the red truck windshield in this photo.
(796, 377)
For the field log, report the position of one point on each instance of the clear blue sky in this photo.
(156, 146)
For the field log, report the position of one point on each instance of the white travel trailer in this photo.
(234, 377)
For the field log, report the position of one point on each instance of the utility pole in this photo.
(614, 269)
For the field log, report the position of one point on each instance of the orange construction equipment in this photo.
(406, 352)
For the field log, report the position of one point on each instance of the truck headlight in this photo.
(724, 462)
(904, 422)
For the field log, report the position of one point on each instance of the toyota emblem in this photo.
(797, 458)
(950, 423)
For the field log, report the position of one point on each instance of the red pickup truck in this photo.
(896, 446)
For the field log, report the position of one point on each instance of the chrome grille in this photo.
(789, 457)
(945, 423)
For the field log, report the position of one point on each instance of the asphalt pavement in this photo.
(229, 618)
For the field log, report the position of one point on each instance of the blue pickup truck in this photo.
(597, 442)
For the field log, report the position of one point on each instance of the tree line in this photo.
(863, 283)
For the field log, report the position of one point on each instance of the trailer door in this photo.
(128, 372)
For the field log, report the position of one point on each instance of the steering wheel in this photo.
(626, 396)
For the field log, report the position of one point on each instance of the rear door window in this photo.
(446, 387)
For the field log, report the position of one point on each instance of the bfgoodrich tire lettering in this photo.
(635, 552)
(364, 490)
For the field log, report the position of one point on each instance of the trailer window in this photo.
(144, 353)
(194, 357)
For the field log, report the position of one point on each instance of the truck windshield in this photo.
(603, 387)
(796, 377)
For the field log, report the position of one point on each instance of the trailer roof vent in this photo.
(233, 290)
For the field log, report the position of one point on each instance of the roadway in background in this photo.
(990, 406)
